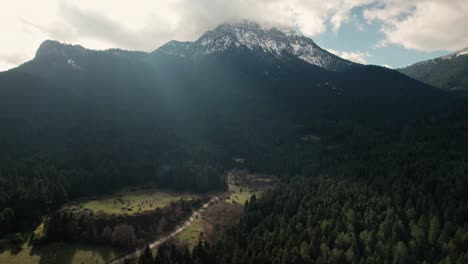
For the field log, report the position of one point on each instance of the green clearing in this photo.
(57, 253)
(240, 194)
(131, 201)
(227, 211)
(242, 185)
(191, 234)
(39, 232)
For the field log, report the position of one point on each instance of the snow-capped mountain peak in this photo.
(247, 34)
(462, 52)
(276, 40)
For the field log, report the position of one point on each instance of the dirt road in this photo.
(136, 254)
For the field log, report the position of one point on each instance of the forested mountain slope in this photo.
(79, 122)
(374, 200)
(447, 72)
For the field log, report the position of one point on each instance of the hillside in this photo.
(99, 118)
(80, 122)
(448, 72)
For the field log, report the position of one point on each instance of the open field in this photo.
(240, 194)
(155, 244)
(191, 234)
(228, 209)
(57, 253)
(210, 220)
(243, 185)
(131, 201)
(216, 215)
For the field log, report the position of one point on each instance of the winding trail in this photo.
(136, 254)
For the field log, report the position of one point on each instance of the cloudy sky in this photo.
(383, 32)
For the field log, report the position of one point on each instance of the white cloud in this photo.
(359, 57)
(147, 24)
(425, 25)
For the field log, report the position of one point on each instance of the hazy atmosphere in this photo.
(234, 132)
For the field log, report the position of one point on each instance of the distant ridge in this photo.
(447, 72)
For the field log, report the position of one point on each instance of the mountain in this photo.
(447, 72)
(372, 162)
(96, 121)
(192, 90)
(277, 41)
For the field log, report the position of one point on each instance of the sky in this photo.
(392, 33)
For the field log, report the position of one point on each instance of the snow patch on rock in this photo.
(275, 40)
(73, 64)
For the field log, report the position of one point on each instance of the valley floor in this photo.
(64, 253)
(221, 211)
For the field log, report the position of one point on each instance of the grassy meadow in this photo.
(240, 194)
(131, 201)
(56, 253)
(228, 209)
(191, 234)
(128, 201)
